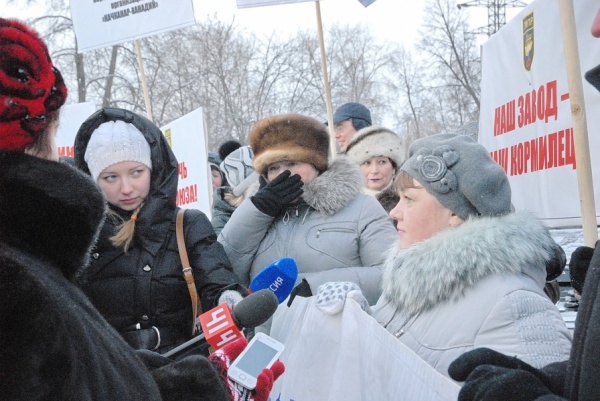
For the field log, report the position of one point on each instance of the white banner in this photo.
(101, 23)
(71, 118)
(188, 141)
(525, 119)
(350, 357)
(261, 3)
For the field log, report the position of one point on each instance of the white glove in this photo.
(332, 296)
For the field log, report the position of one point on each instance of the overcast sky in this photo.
(395, 20)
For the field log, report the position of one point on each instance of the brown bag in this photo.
(187, 269)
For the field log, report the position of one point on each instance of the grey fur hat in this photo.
(375, 141)
(460, 173)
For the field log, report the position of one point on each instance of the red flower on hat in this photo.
(30, 87)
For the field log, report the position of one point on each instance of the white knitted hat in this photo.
(238, 169)
(114, 142)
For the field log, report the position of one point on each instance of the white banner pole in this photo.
(580, 133)
(332, 146)
(138, 52)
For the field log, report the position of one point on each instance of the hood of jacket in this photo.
(50, 210)
(159, 207)
(441, 268)
(335, 188)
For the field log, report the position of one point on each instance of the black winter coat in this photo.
(145, 287)
(53, 344)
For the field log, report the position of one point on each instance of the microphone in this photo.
(279, 277)
(220, 325)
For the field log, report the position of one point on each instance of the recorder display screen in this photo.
(256, 358)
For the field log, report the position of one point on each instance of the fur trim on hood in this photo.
(50, 210)
(335, 188)
(443, 267)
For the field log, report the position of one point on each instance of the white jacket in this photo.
(477, 285)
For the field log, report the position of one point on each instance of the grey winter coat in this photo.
(477, 285)
(336, 233)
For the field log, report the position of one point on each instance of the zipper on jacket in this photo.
(341, 230)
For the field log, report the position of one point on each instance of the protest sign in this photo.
(525, 120)
(101, 23)
(188, 141)
(349, 356)
(261, 3)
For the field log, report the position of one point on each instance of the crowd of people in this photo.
(93, 290)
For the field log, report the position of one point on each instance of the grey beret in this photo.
(460, 173)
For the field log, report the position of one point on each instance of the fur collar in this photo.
(335, 188)
(441, 268)
(49, 209)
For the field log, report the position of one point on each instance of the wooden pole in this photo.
(332, 144)
(580, 134)
(138, 52)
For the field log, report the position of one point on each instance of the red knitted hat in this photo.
(30, 87)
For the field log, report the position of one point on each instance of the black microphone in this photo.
(250, 312)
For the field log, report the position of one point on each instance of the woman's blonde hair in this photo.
(125, 230)
(403, 181)
(232, 199)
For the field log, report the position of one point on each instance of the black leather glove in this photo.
(302, 290)
(578, 266)
(492, 376)
(274, 197)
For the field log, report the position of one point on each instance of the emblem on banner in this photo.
(528, 41)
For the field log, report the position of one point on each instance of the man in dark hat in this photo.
(347, 120)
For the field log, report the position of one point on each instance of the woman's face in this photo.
(378, 172)
(306, 171)
(126, 185)
(420, 216)
(217, 179)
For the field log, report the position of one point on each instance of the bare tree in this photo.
(455, 68)
(238, 78)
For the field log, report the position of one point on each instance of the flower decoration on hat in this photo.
(433, 166)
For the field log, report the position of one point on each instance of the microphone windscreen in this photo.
(279, 277)
(255, 309)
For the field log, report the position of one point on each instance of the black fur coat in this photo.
(53, 344)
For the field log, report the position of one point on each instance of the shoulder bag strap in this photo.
(187, 269)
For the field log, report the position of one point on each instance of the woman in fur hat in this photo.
(54, 345)
(490, 377)
(135, 278)
(307, 209)
(379, 153)
(467, 272)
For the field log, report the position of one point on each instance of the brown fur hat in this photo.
(289, 137)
